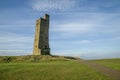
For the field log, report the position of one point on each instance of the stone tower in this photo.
(41, 41)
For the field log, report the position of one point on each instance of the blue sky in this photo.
(89, 29)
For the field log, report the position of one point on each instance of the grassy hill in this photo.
(112, 63)
(46, 68)
(50, 70)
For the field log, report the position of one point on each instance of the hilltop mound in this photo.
(33, 58)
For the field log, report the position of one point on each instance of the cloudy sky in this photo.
(89, 29)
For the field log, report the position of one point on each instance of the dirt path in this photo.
(113, 74)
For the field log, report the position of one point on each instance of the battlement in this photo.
(46, 17)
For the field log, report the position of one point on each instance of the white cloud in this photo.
(96, 41)
(73, 27)
(88, 55)
(7, 37)
(14, 41)
(82, 42)
(75, 5)
(17, 39)
(99, 55)
(14, 52)
(56, 5)
(79, 24)
(108, 39)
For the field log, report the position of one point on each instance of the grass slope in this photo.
(112, 63)
(48, 70)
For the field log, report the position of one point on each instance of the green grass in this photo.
(112, 63)
(49, 70)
